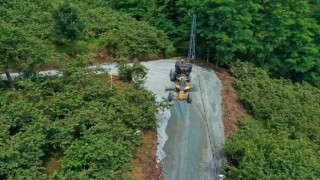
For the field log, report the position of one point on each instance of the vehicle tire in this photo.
(189, 78)
(170, 97)
(189, 100)
(172, 75)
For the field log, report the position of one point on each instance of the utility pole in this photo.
(192, 45)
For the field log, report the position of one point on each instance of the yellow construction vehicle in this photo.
(181, 67)
(181, 89)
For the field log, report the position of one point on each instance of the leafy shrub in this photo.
(135, 72)
(259, 154)
(95, 23)
(134, 39)
(120, 34)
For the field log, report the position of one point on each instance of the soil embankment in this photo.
(232, 108)
(145, 159)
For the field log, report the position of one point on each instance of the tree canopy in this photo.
(282, 141)
(67, 22)
(281, 36)
(94, 125)
(19, 50)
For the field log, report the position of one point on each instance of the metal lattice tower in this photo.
(192, 45)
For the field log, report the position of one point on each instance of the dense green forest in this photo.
(280, 36)
(45, 116)
(283, 139)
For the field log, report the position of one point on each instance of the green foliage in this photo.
(18, 50)
(22, 137)
(174, 17)
(282, 36)
(245, 70)
(315, 9)
(283, 141)
(135, 73)
(133, 39)
(67, 22)
(95, 23)
(119, 34)
(110, 148)
(31, 16)
(139, 9)
(76, 112)
(2, 85)
(93, 124)
(259, 154)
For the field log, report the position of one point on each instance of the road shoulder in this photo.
(232, 108)
(145, 159)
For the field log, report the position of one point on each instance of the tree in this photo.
(139, 9)
(67, 23)
(19, 50)
(287, 36)
(174, 17)
(315, 9)
(126, 37)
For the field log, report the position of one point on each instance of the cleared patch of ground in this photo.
(53, 163)
(102, 57)
(144, 162)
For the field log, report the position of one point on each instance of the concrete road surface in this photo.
(190, 135)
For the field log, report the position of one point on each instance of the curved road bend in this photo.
(195, 131)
